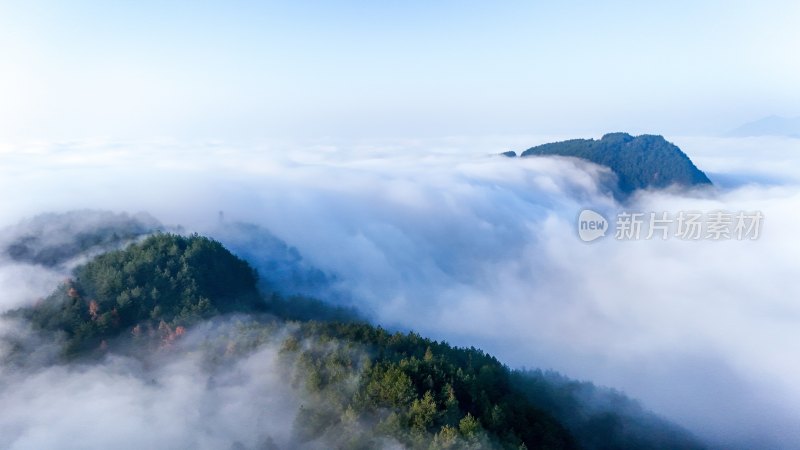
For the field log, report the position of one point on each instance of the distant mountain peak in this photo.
(640, 162)
(769, 126)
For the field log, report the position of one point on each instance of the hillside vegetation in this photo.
(365, 385)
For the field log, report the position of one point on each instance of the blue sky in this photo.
(353, 69)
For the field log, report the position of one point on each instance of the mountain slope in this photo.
(639, 162)
(362, 384)
(165, 281)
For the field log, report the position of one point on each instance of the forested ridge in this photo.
(365, 384)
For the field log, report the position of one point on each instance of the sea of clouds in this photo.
(444, 238)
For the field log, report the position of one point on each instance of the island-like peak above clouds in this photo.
(646, 161)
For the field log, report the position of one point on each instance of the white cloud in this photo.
(482, 251)
(122, 403)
